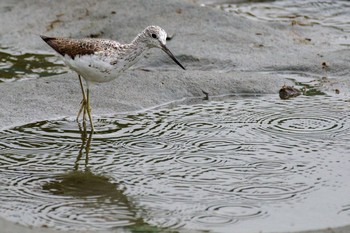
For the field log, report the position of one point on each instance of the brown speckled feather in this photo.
(79, 47)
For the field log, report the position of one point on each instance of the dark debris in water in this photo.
(287, 92)
(206, 97)
(307, 89)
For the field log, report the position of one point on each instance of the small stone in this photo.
(287, 92)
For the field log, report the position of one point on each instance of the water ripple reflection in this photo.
(239, 164)
(237, 210)
(304, 13)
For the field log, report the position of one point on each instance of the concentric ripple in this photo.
(213, 220)
(270, 192)
(238, 211)
(218, 145)
(304, 13)
(306, 125)
(315, 127)
(238, 163)
(144, 144)
(202, 125)
(199, 160)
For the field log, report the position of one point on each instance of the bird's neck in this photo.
(132, 53)
(139, 39)
(137, 47)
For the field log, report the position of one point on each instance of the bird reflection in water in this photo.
(83, 182)
(86, 138)
(97, 195)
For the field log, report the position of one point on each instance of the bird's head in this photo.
(155, 37)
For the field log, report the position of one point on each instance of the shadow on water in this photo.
(81, 183)
(84, 184)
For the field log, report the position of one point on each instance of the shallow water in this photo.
(16, 66)
(306, 13)
(244, 163)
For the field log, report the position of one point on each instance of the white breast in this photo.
(93, 68)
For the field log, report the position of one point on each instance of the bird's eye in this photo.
(154, 36)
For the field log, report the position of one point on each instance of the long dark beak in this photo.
(167, 51)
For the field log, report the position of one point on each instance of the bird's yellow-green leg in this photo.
(83, 102)
(82, 109)
(88, 109)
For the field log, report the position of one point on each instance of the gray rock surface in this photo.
(60, 96)
(223, 54)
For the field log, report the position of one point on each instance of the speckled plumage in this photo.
(102, 60)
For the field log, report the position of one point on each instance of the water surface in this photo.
(20, 66)
(304, 13)
(244, 163)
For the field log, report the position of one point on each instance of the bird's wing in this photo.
(79, 47)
